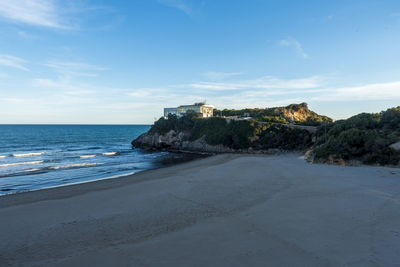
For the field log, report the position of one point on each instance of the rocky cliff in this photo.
(221, 135)
(362, 139)
(173, 141)
(177, 141)
(294, 113)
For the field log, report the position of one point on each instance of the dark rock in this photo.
(177, 142)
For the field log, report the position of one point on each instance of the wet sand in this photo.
(225, 210)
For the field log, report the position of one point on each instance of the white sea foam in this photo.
(21, 163)
(32, 170)
(110, 153)
(75, 165)
(87, 156)
(2, 157)
(28, 154)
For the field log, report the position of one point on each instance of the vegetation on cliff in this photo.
(235, 134)
(368, 138)
(365, 137)
(216, 130)
(295, 113)
(282, 137)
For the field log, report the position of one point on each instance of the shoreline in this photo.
(165, 161)
(103, 182)
(82, 187)
(224, 210)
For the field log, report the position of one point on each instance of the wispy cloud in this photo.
(35, 12)
(13, 62)
(266, 82)
(373, 91)
(27, 36)
(260, 92)
(146, 92)
(73, 95)
(67, 82)
(263, 92)
(329, 17)
(66, 89)
(215, 76)
(71, 69)
(54, 84)
(291, 42)
(178, 4)
(53, 14)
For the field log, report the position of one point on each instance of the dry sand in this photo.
(226, 210)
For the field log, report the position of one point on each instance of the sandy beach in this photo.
(225, 210)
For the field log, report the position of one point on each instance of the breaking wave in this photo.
(87, 156)
(32, 170)
(74, 165)
(27, 154)
(110, 153)
(2, 157)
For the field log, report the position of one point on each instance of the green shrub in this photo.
(390, 119)
(366, 137)
(278, 114)
(276, 119)
(234, 134)
(183, 123)
(283, 137)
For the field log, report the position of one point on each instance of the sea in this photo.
(34, 157)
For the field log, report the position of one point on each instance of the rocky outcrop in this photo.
(173, 141)
(292, 115)
(157, 141)
(177, 141)
(310, 157)
(299, 113)
(201, 145)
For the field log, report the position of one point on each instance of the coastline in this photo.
(226, 210)
(81, 187)
(166, 160)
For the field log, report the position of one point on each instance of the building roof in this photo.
(182, 106)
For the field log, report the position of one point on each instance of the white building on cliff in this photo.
(206, 111)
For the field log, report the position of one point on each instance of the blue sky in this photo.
(76, 61)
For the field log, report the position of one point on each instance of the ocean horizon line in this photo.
(72, 124)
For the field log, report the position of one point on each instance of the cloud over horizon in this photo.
(265, 82)
(373, 91)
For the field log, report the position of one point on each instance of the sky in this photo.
(122, 62)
